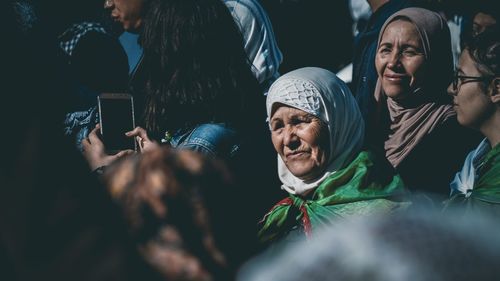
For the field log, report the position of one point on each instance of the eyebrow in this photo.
(304, 115)
(275, 119)
(409, 46)
(404, 46)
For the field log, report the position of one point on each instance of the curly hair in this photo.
(196, 67)
(485, 52)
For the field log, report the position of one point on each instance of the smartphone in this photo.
(116, 116)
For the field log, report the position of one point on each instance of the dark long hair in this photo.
(195, 65)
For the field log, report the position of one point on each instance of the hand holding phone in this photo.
(116, 117)
(94, 151)
(143, 141)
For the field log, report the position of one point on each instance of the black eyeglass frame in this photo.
(467, 79)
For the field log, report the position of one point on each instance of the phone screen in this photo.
(116, 112)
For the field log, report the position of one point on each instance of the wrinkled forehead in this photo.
(402, 22)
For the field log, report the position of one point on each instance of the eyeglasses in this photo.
(459, 80)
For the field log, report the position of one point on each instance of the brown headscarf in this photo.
(428, 109)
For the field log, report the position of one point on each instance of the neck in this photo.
(376, 4)
(490, 129)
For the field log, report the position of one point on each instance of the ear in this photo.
(495, 90)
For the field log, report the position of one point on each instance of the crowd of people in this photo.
(255, 160)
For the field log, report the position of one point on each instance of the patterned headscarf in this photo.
(322, 94)
(410, 124)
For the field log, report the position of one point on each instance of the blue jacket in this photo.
(212, 139)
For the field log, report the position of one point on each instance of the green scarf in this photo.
(345, 187)
(487, 187)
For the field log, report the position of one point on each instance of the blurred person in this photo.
(56, 221)
(96, 61)
(414, 64)
(98, 65)
(485, 16)
(254, 24)
(317, 132)
(128, 13)
(423, 245)
(360, 13)
(198, 88)
(476, 98)
(183, 209)
(259, 40)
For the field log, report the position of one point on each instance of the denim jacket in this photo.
(212, 139)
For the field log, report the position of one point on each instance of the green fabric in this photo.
(349, 187)
(488, 185)
(486, 191)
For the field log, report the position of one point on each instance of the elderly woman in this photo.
(317, 131)
(414, 63)
(476, 96)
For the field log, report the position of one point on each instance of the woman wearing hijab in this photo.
(476, 96)
(317, 131)
(414, 63)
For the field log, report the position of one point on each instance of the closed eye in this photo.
(276, 125)
(385, 48)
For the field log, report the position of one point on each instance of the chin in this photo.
(393, 93)
(467, 123)
(305, 174)
(299, 173)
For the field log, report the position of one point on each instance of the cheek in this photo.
(417, 70)
(379, 64)
(319, 142)
(473, 110)
(277, 143)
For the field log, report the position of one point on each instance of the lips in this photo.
(295, 154)
(393, 77)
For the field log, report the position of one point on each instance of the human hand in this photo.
(141, 136)
(95, 152)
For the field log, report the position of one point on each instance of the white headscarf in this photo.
(319, 92)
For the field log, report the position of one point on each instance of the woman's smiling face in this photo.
(301, 140)
(400, 59)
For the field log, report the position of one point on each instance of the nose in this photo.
(394, 59)
(290, 138)
(108, 4)
(451, 90)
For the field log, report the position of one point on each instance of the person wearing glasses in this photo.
(414, 62)
(476, 98)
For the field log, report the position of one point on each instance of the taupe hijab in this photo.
(428, 109)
